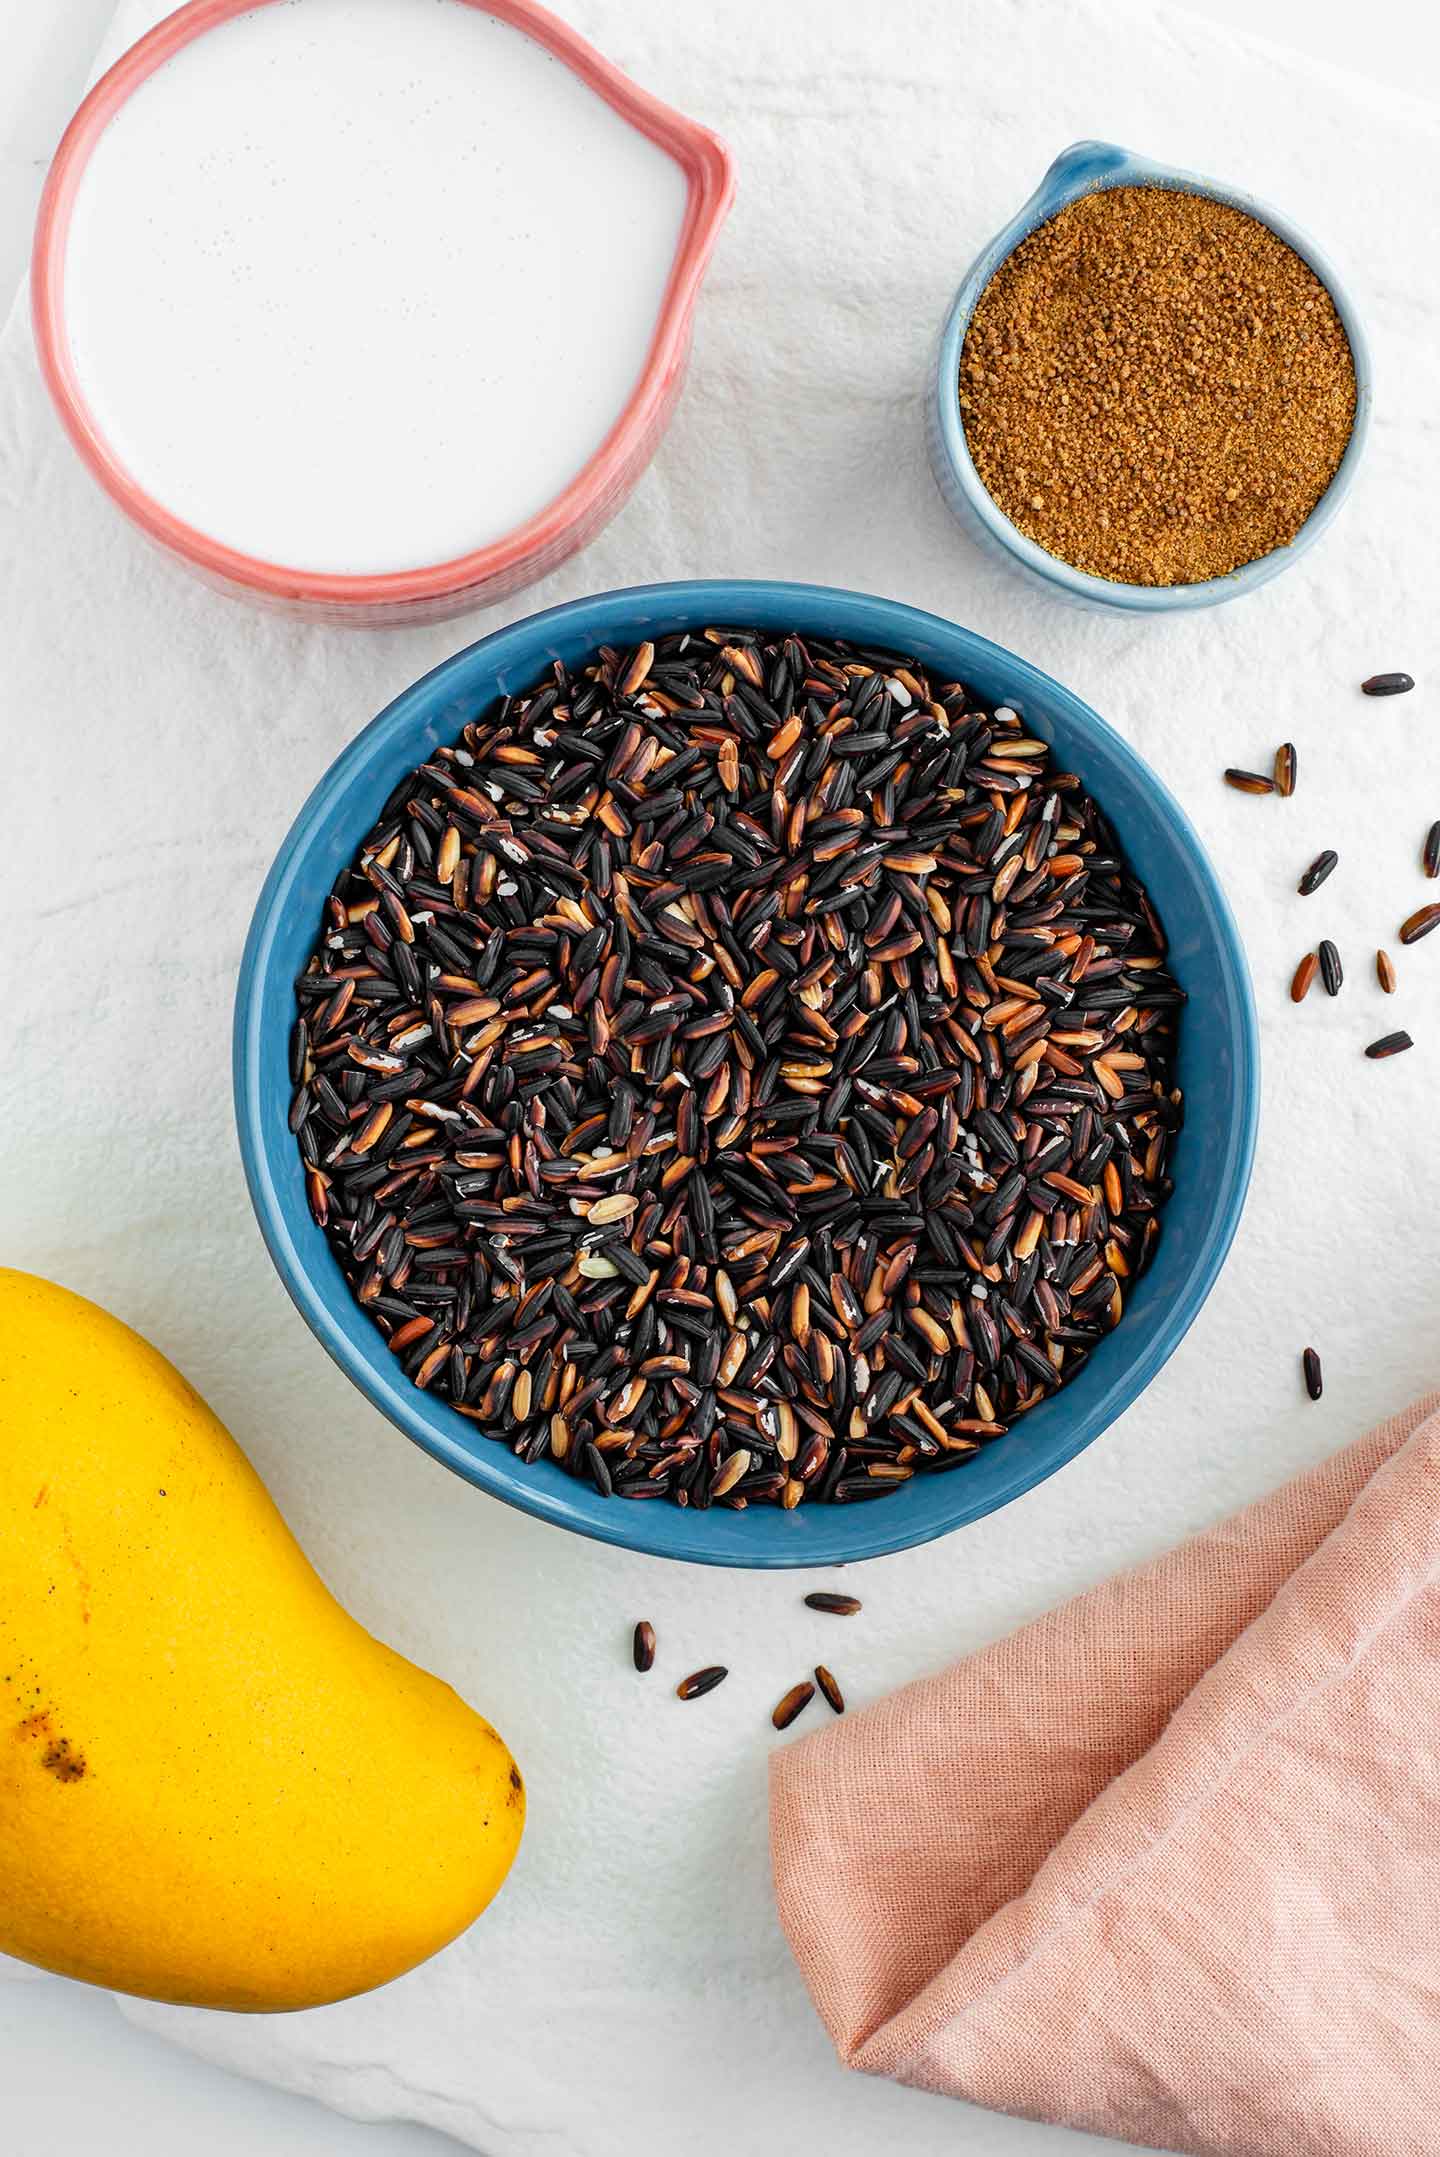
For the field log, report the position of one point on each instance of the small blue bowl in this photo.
(1218, 1068)
(1084, 169)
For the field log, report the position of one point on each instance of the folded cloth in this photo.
(1164, 1865)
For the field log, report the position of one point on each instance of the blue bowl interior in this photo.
(1083, 169)
(1218, 1068)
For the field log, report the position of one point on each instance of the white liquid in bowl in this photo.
(357, 286)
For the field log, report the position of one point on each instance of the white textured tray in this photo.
(630, 1990)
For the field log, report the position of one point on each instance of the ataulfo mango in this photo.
(215, 1786)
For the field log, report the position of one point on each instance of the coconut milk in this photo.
(355, 286)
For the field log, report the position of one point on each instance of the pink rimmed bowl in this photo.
(439, 589)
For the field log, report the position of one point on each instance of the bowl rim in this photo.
(710, 175)
(854, 1533)
(1092, 167)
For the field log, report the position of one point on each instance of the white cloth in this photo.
(631, 1989)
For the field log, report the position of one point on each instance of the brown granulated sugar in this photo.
(1155, 388)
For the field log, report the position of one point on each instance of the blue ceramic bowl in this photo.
(1083, 169)
(1218, 1068)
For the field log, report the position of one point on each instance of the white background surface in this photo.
(75, 2077)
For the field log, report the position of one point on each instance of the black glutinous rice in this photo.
(739, 1070)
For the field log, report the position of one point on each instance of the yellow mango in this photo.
(215, 1786)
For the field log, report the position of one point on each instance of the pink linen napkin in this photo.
(1164, 1865)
